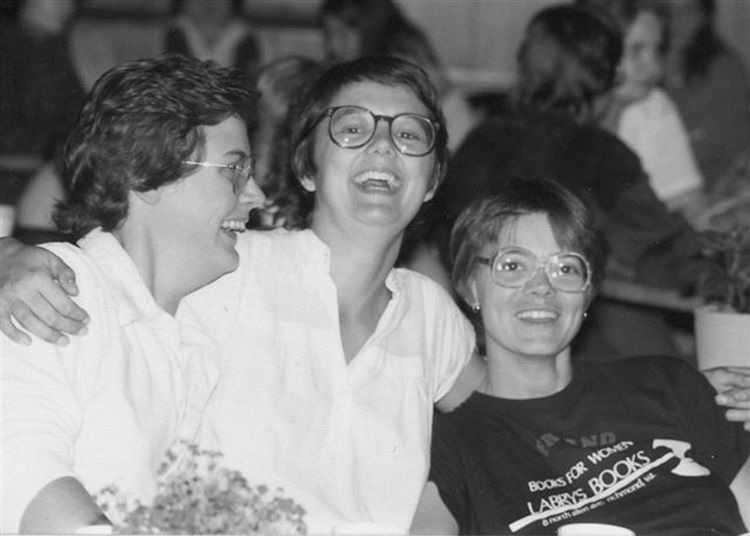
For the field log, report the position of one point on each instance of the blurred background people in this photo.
(643, 115)
(709, 83)
(213, 30)
(279, 82)
(41, 90)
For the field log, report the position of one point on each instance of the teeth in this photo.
(538, 315)
(235, 226)
(378, 176)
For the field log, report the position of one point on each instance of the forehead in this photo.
(228, 136)
(531, 231)
(380, 98)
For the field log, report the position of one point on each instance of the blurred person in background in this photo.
(709, 83)
(213, 30)
(41, 89)
(279, 83)
(643, 115)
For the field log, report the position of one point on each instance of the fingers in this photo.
(724, 378)
(10, 330)
(41, 329)
(64, 276)
(40, 306)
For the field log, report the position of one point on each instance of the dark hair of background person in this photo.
(704, 46)
(482, 223)
(622, 13)
(308, 111)
(280, 82)
(383, 29)
(140, 121)
(568, 59)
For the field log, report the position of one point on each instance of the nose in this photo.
(382, 141)
(539, 283)
(252, 195)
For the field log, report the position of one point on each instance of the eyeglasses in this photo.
(351, 127)
(238, 174)
(514, 266)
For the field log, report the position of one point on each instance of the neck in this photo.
(359, 266)
(158, 268)
(523, 377)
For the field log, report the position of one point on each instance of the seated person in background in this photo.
(644, 117)
(159, 166)
(709, 83)
(213, 30)
(567, 64)
(41, 87)
(549, 440)
(356, 28)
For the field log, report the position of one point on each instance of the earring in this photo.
(475, 309)
(585, 314)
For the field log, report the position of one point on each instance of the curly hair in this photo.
(139, 122)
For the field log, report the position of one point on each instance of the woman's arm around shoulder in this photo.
(35, 289)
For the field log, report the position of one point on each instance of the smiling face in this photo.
(641, 64)
(373, 185)
(199, 215)
(533, 321)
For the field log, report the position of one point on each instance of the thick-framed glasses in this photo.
(352, 127)
(238, 174)
(515, 266)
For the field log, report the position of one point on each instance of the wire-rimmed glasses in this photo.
(515, 266)
(238, 174)
(353, 126)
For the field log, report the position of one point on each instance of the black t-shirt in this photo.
(638, 443)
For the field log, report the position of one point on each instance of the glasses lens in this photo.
(413, 134)
(351, 126)
(568, 272)
(513, 267)
(241, 173)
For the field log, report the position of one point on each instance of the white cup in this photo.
(7, 219)
(367, 528)
(593, 529)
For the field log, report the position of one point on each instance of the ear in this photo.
(470, 294)
(430, 193)
(307, 183)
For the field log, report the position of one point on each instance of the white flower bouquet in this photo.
(195, 495)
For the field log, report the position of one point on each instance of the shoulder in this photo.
(89, 276)
(423, 290)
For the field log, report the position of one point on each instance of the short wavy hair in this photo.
(569, 57)
(139, 122)
(483, 222)
(386, 70)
